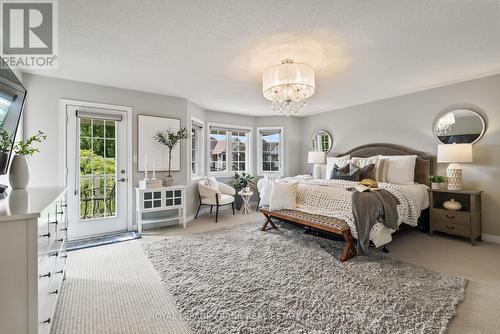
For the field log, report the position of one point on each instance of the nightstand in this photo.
(465, 222)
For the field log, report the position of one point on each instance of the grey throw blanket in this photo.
(370, 207)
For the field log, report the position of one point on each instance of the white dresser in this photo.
(33, 229)
(157, 206)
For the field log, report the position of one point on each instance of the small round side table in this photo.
(245, 207)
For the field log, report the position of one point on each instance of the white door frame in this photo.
(63, 147)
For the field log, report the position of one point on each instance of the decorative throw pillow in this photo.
(401, 169)
(211, 182)
(347, 173)
(339, 161)
(283, 195)
(265, 192)
(365, 172)
(380, 169)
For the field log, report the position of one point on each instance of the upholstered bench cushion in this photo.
(315, 219)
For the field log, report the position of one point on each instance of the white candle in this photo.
(145, 166)
(154, 169)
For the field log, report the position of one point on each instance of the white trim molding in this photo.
(495, 239)
(63, 105)
(248, 156)
(201, 153)
(281, 151)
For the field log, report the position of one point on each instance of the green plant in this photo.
(170, 138)
(437, 179)
(5, 141)
(243, 180)
(25, 146)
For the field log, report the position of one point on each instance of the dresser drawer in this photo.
(451, 228)
(451, 217)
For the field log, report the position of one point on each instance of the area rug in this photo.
(242, 280)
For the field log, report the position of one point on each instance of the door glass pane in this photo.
(97, 168)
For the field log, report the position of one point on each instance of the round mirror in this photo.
(322, 141)
(461, 126)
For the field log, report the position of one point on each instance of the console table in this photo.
(159, 205)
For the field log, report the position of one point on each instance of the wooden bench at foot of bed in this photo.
(319, 222)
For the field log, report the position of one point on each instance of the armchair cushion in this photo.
(223, 199)
(206, 191)
(226, 189)
(212, 183)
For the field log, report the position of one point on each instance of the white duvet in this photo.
(330, 198)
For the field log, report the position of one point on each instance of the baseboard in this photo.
(491, 238)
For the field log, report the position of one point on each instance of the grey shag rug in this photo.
(242, 280)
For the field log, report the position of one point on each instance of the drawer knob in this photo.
(47, 275)
(54, 254)
(46, 235)
(63, 229)
(55, 292)
(60, 240)
(64, 256)
(450, 217)
(59, 272)
(54, 222)
(450, 227)
(46, 321)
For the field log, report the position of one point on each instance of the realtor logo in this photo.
(29, 33)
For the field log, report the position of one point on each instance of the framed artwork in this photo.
(156, 153)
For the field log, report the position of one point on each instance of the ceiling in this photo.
(214, 52)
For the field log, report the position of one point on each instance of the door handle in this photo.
(122, 180)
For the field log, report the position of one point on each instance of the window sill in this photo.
(196, 177)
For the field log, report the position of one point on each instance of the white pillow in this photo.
(339, 161)
(401, 168)
(265, 191)
(211, 182)
(380, 170)
(283, 195)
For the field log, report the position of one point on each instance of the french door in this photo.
(97, 175)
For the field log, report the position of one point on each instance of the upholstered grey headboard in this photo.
(424, 167)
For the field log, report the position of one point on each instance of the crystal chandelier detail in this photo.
(445, 123)
(287, 86)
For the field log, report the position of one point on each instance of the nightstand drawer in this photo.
(451, 228)
(451, 217)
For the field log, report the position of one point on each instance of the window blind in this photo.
(98, 115)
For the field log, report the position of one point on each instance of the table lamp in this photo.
(454, 154)
(317, 158)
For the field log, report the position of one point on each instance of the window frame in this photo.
(229, 156)
(260, 171)
(200, 173)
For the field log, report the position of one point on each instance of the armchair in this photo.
(224, 195)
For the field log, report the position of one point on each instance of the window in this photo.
(270, 151)
(229, 149)
(196, 148)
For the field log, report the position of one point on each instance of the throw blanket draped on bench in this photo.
(370, 208)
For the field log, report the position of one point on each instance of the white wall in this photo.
(42, 113)
(408, 120)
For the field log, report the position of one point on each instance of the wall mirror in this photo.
(459, 126)
(322, 141)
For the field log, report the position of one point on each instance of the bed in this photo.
(314, 194)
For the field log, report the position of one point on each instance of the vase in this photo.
(19, 201)
(436, 185)
(19, 175)
(452, 205)
(169, 181)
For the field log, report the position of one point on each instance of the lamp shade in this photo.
(454, 153)
(316, 157)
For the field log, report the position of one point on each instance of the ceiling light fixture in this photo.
(287, 86)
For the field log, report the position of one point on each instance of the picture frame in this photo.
(147, 127)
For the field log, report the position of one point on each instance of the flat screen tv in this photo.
(12, 96)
